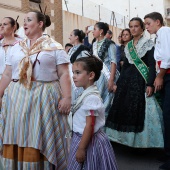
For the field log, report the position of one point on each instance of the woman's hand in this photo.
(80, 155)
(149, 91)
(110, 85)
(64, 78)
(114, 88)
(0, 102)
(87, 31)
(64, 105)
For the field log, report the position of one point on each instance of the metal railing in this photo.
(96, 12)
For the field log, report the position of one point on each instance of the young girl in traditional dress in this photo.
(105, 49)
(90, 148)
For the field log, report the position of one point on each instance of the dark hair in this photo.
(128, 30)
(91, 64)
(103, 26)
(110, 32)
(68, 45)
(94, 40)
(155, 16)
(139, 20)
(80, 34)
(44, 18)
(13, 22)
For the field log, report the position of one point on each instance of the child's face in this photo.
(81, 77)
(67, 49)
(151, 25)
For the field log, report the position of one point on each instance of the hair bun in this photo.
(106, 26)
(17, 25)
(82, 34)
(99, 63)
(48, 21)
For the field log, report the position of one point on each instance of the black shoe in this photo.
(165, 166)
(163, 158)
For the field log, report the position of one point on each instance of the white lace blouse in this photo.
(144, 44)
(74, 49)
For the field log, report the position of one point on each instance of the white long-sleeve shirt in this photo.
(162, 47)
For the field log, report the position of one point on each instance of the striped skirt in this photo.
(99, 156)
(31, 128)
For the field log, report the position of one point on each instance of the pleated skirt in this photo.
(99, 155)
(152, 134)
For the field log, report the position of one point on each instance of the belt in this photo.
(168, 70)
(15, 80)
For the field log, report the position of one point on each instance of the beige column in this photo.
(57, 19)
(25, 6)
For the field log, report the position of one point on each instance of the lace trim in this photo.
(73, 49)
(142, 47)
(102, 48)
(123, 128)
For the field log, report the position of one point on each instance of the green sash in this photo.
(140, 65)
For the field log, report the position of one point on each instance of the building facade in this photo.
(96, 10)
(167, 11)
(21, 7)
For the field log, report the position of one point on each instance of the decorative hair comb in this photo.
(45, 9)
(41, 9)
(17, 18)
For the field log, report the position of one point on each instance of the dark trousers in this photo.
(166, 113)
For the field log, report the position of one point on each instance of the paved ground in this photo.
(136, 159)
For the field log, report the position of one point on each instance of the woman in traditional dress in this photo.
(78, 50)
(126, 37)
(135, 116)
(36, 102)
(90, 147)
(8, 27)
(105, 49)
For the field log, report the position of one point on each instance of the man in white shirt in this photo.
(154, 25)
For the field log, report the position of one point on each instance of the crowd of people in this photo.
(61, 108)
